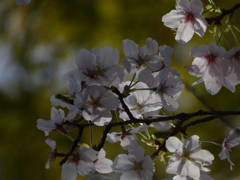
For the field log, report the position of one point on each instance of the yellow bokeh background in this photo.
(38, 43)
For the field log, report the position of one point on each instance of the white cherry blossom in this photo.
(188, 158)
(53, 154)
(102, 164)
(140, 101)
(169, 89)
(96, 104)
(187, 18)
(81, 163)
(210, 65)
(56, 122)
(98, 67)
(128, 137)
(233, 74)
(232, 140)
(137, 59)
(134, 166)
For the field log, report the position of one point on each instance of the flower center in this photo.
(210, 58)
(189, 17)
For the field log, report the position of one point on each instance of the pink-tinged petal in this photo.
(185, 32)
(151, 46)
(173, 19)
(162, 126)
(113, 137)
(192, 144)
(165, 104)
(137, 154)
(109, 101)
(129, 47)
(217, 50)
(122, 164)
(69, 171)
(85, 167)
(194, 70)
(212, 80)
(46, 126)
(197, 6)
(22, 2)
(200, 25)
(175, 167)
(200, 51)
(51, 143)
(174, 144)
(234, 137)
(225, 154)
(47, 165)
(202, 156)
(108, 56)
(129, 142)
(85, 59)
(148, 166)
(87, 154)
(103, 166)
(57, 115)
(202, 65)
(183, 5)
(191, 169)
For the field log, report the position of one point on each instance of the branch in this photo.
(75, 143)
(217, 20)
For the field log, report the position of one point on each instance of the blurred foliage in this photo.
(38, 43)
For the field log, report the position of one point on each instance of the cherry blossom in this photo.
(210, 65)
(232, 140)
(96, 104)
(102, 164)
(127, 137)
(188, 158)
(169, 89)
(138, 59)
(233, 75)
(134, 166)
(140, 101)
(81, 163)
(53, 154)
(98, 67)
(187, 18)
(56, 122)
(22, 2)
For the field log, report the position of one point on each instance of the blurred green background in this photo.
(38, 43)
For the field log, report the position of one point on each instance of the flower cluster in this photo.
(101, 92)
(216, 67)
(154, 85)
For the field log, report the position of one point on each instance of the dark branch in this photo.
(75, 143)
(217, 20)
(103, 139)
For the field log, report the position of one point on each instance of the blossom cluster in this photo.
(155, 85)
(146, 86)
